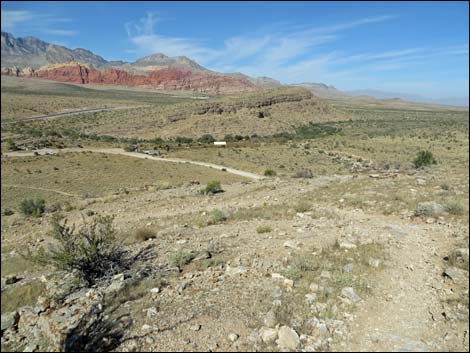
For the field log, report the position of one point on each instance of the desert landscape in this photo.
(157, 205)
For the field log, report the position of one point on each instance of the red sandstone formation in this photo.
(170, 78)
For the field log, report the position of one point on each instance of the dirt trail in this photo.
(68, 113)
(404, 313)
(43, 189)
(142, 156)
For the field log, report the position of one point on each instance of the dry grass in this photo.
(83, 174)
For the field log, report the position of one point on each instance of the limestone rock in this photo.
(288, 338)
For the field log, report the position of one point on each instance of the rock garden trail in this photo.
(142, 156)
(405, 312)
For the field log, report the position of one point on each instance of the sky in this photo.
(410, 47)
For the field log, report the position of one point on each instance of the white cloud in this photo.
(274, 49)
(292, 53)
(29, 21)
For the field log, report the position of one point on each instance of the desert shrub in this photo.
(263, 229)
(181, 139)
(424, 158)
(11, 145)
(144, 234)
(207, 138)
(30, 207)
(217, 216)
(445, 187)
(270, 172)
(429, 209)
(299, 266)
(181, 258)
(304, 173)
(455, 208)
(92, 250)
(212, 187)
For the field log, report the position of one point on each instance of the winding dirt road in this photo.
(139, 155)
(68, 113)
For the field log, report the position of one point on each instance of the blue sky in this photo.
(411, 47)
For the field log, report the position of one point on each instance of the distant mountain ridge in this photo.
(25, 56)
(35, 53)
(455, 101)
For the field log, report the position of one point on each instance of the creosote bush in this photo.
(270, 172)
(454, 208)
(217, 216)
(30, 207)
(182, 258)
(212, 187)
(92, 250)
(264, 229)
(424, 158)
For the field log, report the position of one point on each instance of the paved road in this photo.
(69, 113)
(140, 155)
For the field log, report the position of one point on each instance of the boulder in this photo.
(288, 338)
(268, 335)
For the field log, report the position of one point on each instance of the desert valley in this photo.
(158, 205)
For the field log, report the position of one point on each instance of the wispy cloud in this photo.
(29, 21)
(293, 53)
(271, 49)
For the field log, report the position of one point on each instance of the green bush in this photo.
(217, 216)
(424, 158)
(92, 251)
(181, 139)
(30, 207)
(264, 229)
(455, 208)
(11, 145)
(181, 258)
(213, 187)
(206, 138)
(270, 173)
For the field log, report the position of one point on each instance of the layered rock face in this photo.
(170, 78)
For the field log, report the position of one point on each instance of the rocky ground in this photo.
(280, 271)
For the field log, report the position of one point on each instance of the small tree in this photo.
(30, 207)
(424, 158)
(92, 250)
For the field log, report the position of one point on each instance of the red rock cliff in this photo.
(170, 78)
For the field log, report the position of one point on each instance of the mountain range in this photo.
(32, 57)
